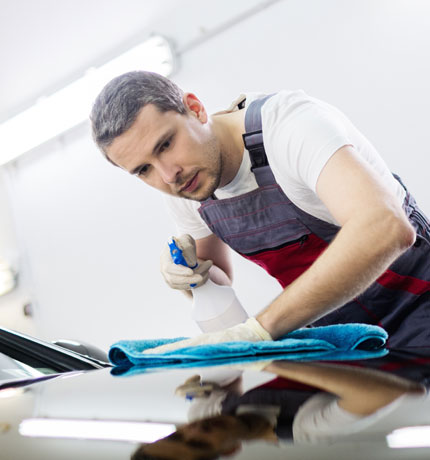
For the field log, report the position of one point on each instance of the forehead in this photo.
(149, 126)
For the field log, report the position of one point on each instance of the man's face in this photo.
(209, 438)
(177, 154)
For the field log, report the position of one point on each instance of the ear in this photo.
(195, 107)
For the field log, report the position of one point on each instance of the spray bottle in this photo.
(215, 307)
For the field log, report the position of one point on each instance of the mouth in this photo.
(191, 185)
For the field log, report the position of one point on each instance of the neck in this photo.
(228, 128)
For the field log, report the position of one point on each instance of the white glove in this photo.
(196, 388)
(249, 331)
(179, 276)
(209, 380)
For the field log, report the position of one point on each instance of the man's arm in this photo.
(212, 248)
(360, 391)
(374, 232)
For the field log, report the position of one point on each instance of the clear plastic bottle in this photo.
(215, 307)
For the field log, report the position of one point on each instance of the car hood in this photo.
(96, 414)
(110, 401)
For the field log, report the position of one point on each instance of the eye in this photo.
(143, 170)
(166, 144)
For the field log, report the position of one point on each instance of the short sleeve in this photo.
(302, 134)
(321, 419)
(186, 216)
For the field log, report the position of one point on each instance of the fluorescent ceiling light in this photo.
(408, 437)
(95, 429)
(55, 114)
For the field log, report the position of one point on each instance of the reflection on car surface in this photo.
(271, 410)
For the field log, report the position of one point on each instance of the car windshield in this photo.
(12, 369)
(26, 358)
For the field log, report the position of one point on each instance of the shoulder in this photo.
(300, 130)
(298, 109)
(300, 134)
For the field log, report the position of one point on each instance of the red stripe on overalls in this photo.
(398, 282)
(420, 361)
(289, 262)
(282, 383)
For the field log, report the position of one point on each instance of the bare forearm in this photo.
(361, 252)
(219, 276)
(360, 391)
(341, 379)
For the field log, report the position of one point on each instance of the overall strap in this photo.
(253, 139)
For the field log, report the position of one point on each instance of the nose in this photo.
(168, 171)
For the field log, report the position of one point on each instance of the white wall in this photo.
(8, 243)
(91, 235)
(12, 303)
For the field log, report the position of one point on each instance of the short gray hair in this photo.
(120, 101)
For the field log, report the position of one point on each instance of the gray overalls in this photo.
(266, 227)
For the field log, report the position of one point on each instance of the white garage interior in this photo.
(82, 237)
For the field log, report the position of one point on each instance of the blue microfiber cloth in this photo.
(128, 370)
(335, 342)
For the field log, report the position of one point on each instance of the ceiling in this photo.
(48, 43)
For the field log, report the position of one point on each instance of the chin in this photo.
(196, 196)
(199, 194)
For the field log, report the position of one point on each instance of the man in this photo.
(323, 214)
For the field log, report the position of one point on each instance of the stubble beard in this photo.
(206, 190)
(214, 171)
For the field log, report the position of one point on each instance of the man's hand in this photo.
(249, 331)
(179, 276)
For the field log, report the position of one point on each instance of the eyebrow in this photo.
(156, 148)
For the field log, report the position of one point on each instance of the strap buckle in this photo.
(254, 144)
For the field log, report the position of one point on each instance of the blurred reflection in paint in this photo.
(306, 403)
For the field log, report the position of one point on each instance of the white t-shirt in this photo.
(321, 419)
(300, 134)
